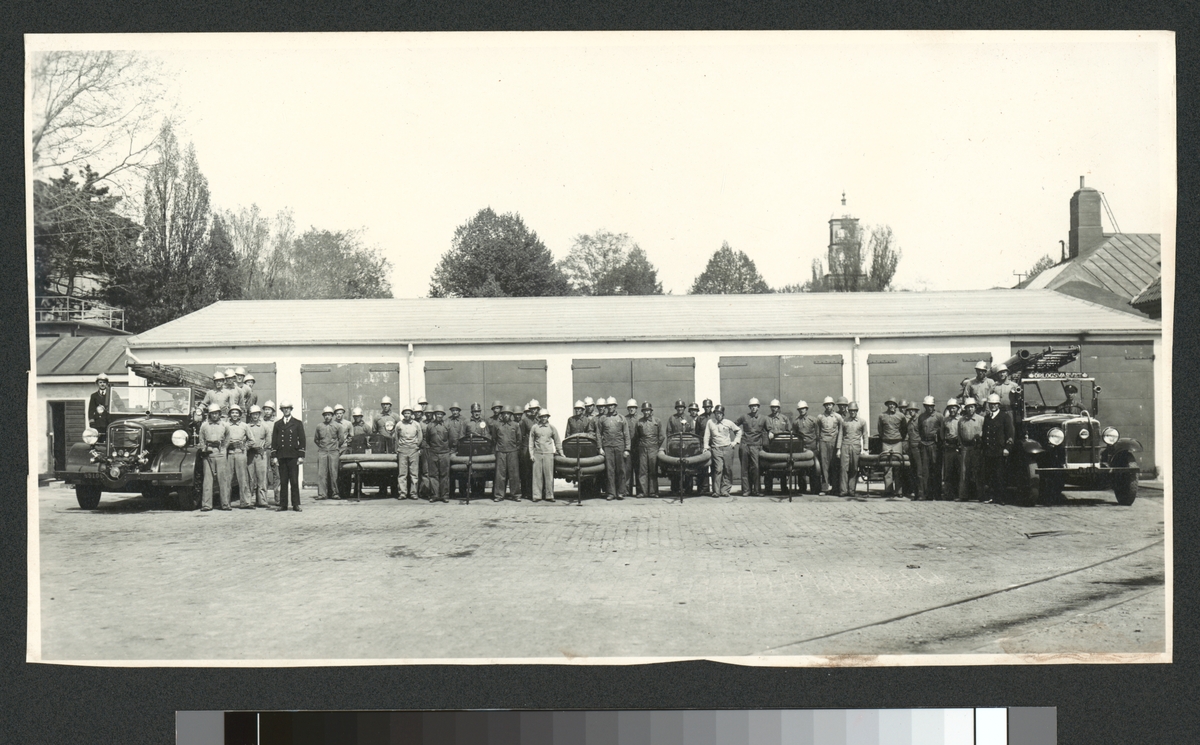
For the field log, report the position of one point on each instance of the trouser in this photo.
(647, 458)
(408, 472)
(681, 488)
(906, 474)
(835, 473)
(704, 478)
(969, 481)
(216, 475)
(927, 453)
(272, 475)
(849, 471)
(994, 476)
(951, 470)
(889, 475)
(525, 473)
(427, 485)
(750, 476)
(722, 464)
(440, 474)
(826, 450)
(327, 487)
(289, 481)
(542, 467)
(614, 471)
(508, 470)
(239, 474)
(257, 466)
(631, 472)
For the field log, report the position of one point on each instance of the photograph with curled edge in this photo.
(773, 348)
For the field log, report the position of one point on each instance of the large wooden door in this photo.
(512, 382)
(659, 380)
(353, 385)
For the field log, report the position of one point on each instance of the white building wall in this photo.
(63, 388)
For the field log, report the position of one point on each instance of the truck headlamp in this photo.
(1110, 435)
(90, 436)
(1056, 436)
(179, 438)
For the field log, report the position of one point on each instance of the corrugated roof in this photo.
(639, 318)
(1123, 264)
(1152, 293)
(81, 355)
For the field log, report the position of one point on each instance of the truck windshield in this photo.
(140, 400)
(1058, 396)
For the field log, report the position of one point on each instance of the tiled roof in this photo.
(1123, 264)
(1152, 293)
(81, 355)
(639, 318)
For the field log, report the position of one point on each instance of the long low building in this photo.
(866, 346)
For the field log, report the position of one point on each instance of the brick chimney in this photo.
(1086, 231)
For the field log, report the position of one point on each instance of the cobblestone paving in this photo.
(641, 577)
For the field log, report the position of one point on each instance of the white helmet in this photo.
(268, 404)
(774, 403)
(544, 412)
(969, 401)
(285, 403)
(631, 402)
(338, 408)
(579, 404)
(753, 402)
(356, 412)
(952, 402)
(239, 371)
(828, 400)
(385, 400)
(327, 410)
(103, 377)
(801, 405)
(1002, 367)
(612, 401)
(251, 379)
(229, 373)
(235, 407)
(255, 410)
(981, 365)
(218, 375)
(588, 401)
(929, 401)
(214, 407)
(533, 404)
(993, 398)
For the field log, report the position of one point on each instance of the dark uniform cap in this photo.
(680, 402)
(439, 409)
(708, 402)
(455, 406)
(891, 401)
(647, 407)
(842, 400)
(476, 407)
(693, 406)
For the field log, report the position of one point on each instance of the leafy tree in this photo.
(181, 264)
(92, 107)
(496, 256)
(729, 272)
(635, 276)
(1040, 266)
(78, 238)
(327, 264)
(593, 257)
(250, 235)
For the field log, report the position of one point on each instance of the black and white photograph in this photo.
(773, 348)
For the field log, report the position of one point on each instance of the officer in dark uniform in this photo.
(680, 423)
(704, 477)
(649, 435)
(506, 433)
(288, 442)
(98, 404)
(997, 442)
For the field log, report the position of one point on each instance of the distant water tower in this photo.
(845, 251)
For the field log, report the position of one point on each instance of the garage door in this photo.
(743, 378)
(659, 380)
(512, 382)
(362, 385)
(809, 378)
(914, 376)
(1125, 373)
(264, 377)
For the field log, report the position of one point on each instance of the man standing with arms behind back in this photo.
(829, 435)
(613, 437)
(890, 427)
(854, 444)
(754, 432)
(288, 442)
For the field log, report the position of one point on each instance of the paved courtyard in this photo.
(383, 579)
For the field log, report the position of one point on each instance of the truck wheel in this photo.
(1125, 487)
(188, 496)
(1033, 486)
(88, 496)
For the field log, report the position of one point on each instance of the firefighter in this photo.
(805, 428)
(997, 442)
(970, 435)
(233, 395)
(951, 452)
(854, 444)
(981, 387)
(912, 444)
(580, 422)
(256, 457)
(615, 441)
(98, 405)
(929, 426)
(528, 420)
(249, 397)
(217, 395)
(238, 439)
(497, 407)
(649, 435)
(1006, 389)
(457, 426)
(268, 420)
(704, 477)
(891, 429)
(476, 427)
(408, 435)
(776, 424)
(441, 444)
(632, 485)
(214, 436)
(721, 437)
(544, 444)
(328, 438)
(753, 433)
(829, 434)
(506, 434)
(680, 423)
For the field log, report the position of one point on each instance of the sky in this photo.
(969, 145)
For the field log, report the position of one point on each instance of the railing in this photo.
(63, 308)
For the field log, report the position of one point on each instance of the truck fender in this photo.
(176, 460)
(1032, 447)
(1124, 452)
(79, 458)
